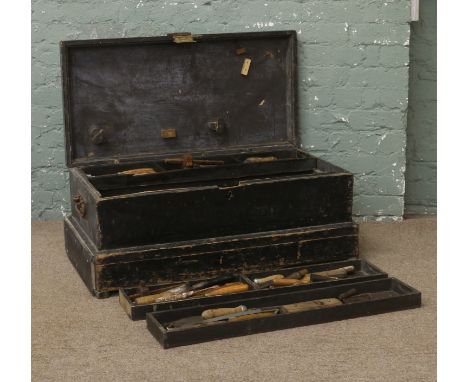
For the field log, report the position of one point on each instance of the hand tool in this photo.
(194, 321)
(187, 161)
(248, 314)
(225, 289)
(369, 296)
(297, 274)
(211, 282)
(260, 159)
(212, 313)
(310, 305)
(138, 171)
(264, 285)
(228, 289)
(348, 293)
(339, 272)
(263, 280)
(286, 282)
(150, 298)
(316, 277)
(306, 279)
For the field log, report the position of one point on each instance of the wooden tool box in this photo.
(172, 143)
(174, 108)
(184, 166)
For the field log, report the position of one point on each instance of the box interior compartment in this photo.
(113, 180)
(397, 296)
(362, 271)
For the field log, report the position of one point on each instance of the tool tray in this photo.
(405, 297)
(111, 181)
(363, 271)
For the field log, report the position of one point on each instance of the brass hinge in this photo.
(182, 37)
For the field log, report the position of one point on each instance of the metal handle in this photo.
(80, 205)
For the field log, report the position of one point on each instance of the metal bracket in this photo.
(168, 133)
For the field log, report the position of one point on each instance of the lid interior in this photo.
(139, 98)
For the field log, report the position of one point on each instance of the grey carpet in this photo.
(76, 337)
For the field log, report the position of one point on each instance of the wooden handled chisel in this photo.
(246, 314)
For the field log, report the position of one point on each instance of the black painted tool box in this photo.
(160, 104)
(212, 121)
(184, 166)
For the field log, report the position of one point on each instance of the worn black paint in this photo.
(134, 88)
(125, 91)
(189, 224)
(363, 271)
(407, 298)
(124, 268)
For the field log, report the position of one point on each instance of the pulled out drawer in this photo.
(264, 313)
(137, 302)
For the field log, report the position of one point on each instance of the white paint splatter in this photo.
(260, 24)
(93, 33)
(381, 139)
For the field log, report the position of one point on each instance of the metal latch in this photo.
(216, 125)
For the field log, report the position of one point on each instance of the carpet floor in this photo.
(76, 337)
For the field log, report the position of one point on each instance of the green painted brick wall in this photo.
(421, 176)
(353, 81)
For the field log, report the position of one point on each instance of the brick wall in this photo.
(421, 177)
(353, 81)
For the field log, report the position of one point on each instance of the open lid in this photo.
(141, 98)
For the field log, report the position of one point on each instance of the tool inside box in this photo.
(136, 311)
(390, 294)
(110, 180)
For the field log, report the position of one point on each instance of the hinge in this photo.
(182, 37)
